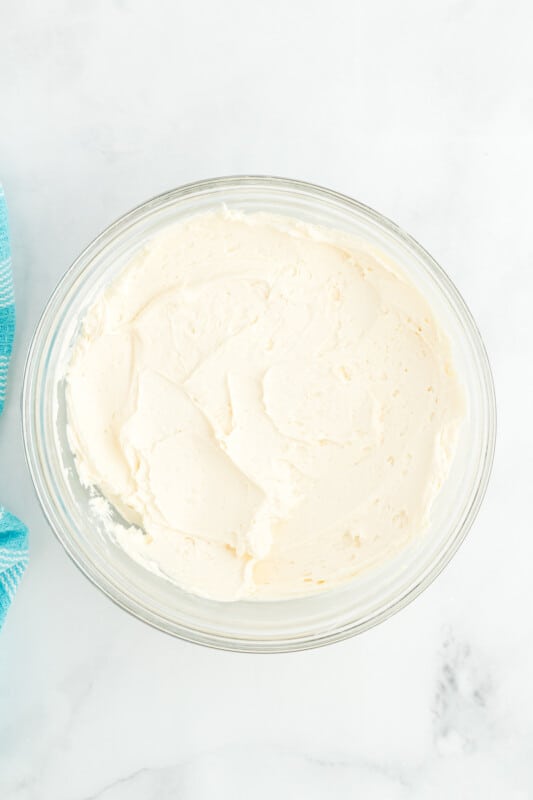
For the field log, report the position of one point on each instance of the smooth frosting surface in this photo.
(271, 406)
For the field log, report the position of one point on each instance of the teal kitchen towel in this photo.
(13, 534)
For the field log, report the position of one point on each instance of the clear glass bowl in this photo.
(247, 625)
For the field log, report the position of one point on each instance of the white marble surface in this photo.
(422, 110)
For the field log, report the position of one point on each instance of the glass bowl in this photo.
(250, 625)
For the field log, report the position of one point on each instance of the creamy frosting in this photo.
(271, 406)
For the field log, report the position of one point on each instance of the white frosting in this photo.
(271, 405)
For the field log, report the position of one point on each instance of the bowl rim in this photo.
(28, 410)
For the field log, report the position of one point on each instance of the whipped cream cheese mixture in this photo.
(271, 406)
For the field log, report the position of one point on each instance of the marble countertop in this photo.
(423, 111)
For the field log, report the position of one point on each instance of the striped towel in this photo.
(13, 534)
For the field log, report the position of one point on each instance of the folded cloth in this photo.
(13, 534)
